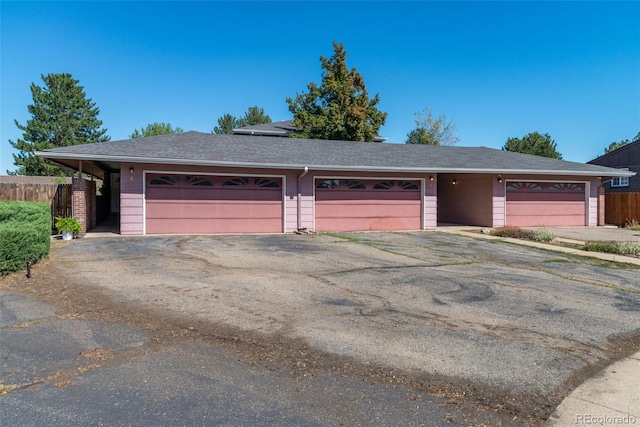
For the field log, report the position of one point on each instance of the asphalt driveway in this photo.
(494, 329)
(506, 318)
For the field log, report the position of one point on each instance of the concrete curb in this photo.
(612, 398)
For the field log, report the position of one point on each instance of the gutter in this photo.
(608, 172)
(306, 171)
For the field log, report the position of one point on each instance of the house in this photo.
(196, 182)
(283, 129)
(626, 157)
(622, 193)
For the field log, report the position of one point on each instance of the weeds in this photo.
(542, 235)
(620, 248)
(633, 224)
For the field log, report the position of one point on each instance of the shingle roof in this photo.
(196, 148)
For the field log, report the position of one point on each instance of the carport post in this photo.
(299, 213)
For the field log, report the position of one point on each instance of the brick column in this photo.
(84, 205)
(601, 206)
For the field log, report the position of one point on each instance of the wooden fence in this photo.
(61, 202)
(620, 208)
(59, 196)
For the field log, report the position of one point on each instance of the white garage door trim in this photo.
(170, 172)
(587, 193)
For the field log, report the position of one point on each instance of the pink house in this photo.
(197, 183)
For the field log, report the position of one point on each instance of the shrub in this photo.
(606, 247)
(513, 232)
(525, 234)
(629, 248)
(543, 235)
(622, 248)
(25, 229)
(68, 224)
(633, 224)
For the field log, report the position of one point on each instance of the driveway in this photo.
(505, 327)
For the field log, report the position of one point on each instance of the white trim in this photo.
(587, 194)
(620, 183)
(251, 175)
(372, 178)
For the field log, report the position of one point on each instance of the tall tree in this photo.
(432, 131)
(61, 115)
(340, 107)
(253, 116)
(616, 145)
(154, 129)
(226, 124)
(534, 143)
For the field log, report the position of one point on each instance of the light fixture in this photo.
(431, 178)
(499, 178)
(130, 170)
(454, 182)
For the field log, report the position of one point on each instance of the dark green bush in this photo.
(25, 229)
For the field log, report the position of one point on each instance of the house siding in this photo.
(469, 201)
(627, 156)
(476, 199)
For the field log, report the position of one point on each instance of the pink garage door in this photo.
(363, 205)
(212, 204)
(545, 204)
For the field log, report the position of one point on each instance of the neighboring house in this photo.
(195, 182)
(626, 157)
(282, 129)
(622, 193)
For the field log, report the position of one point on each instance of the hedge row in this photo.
(25, 230)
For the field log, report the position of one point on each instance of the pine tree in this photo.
(534, 143)
(155, 129)
(253, 116)
(61, 115)
(338, 109)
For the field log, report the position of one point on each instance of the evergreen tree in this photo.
(615, 145)
(253, 116)
(534, 143)
(155, 129)
(226, 124)
(338, 109)
(61, 115)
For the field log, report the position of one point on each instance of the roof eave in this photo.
(339, 168)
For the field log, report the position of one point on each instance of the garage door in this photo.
(212, 204)
(545, 204)
(362, 205)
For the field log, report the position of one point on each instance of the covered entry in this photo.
(365, 204)
(545, 204)
(190, 203)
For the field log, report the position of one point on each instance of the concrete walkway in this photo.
(613, 397)
(468, 231)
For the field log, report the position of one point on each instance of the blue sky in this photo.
(499, 69)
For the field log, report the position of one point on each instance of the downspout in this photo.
(306, 171)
